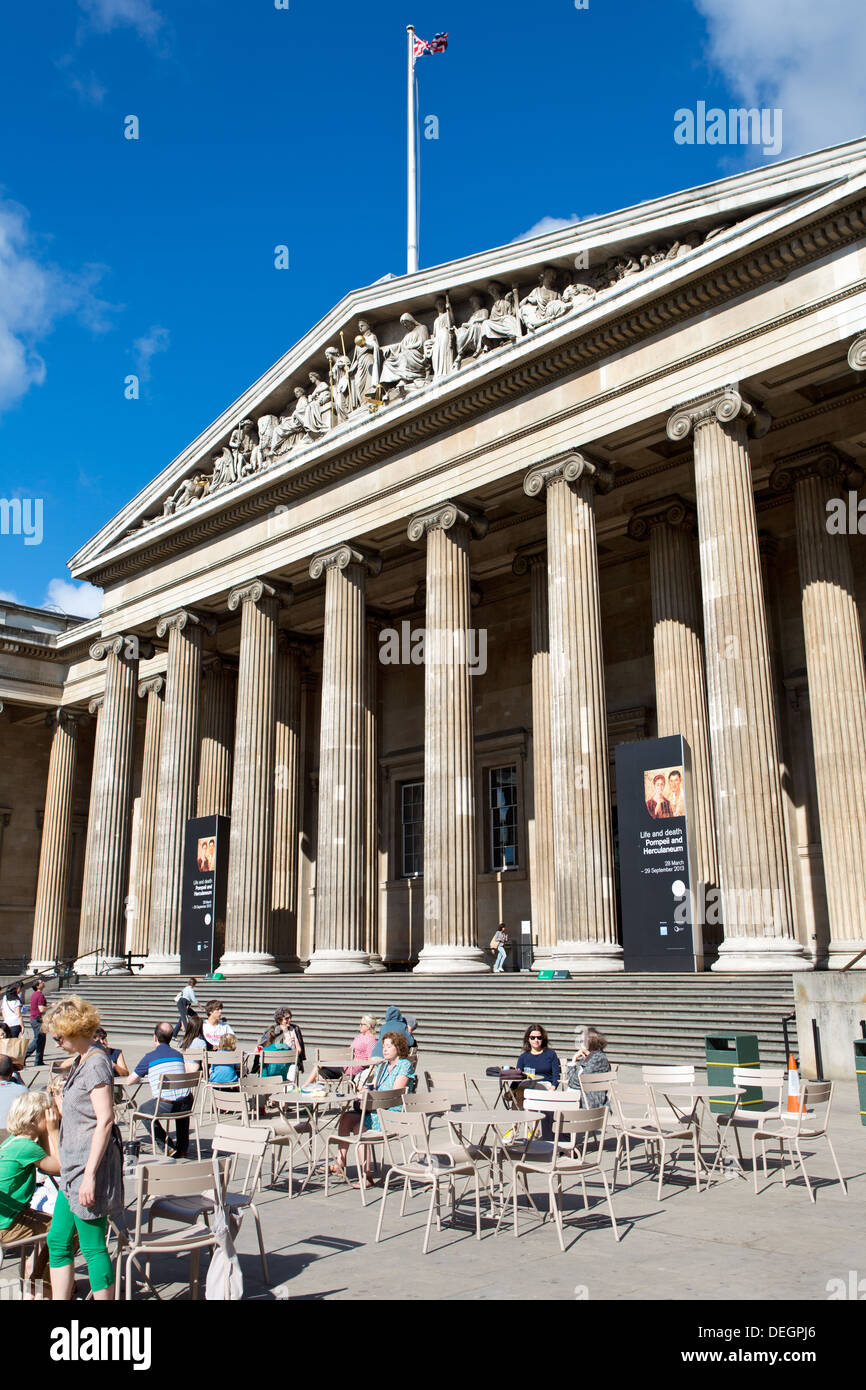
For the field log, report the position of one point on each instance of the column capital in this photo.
(257, 591)
(96, 704)
(663, 511)
(215, 664)
(185, 617)
(67, 718)
(819, 461)
(720, 408)
(340, 556)
(569, 467)
(154, 685)
(529, 557)
(444, 517)
(127, 645)
(293, 642)
(857, 354)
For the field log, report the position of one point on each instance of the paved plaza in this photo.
(723, 1244)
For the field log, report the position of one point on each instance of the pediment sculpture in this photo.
(349, 388)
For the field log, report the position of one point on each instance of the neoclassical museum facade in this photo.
(394, 610)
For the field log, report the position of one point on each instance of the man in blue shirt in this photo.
(164, 1060)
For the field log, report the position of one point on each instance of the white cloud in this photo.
(79, 600)
(105, 15)
(804, 58)
(549, 224)
(155, 340)
(7, 596)
(34, 294)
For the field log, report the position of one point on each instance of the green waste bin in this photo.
(724, 1052)
(860, 1068)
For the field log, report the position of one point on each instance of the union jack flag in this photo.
(437, 44)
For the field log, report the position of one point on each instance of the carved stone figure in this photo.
(470, 335)
(242, 442)
(442, 343)
(405, 365)
(543, 304)
(224, 471)
(366, 364)
(319, 405)
(339, 374)
(503, 325)
(190, 490)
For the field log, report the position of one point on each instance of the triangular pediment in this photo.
(343, 383)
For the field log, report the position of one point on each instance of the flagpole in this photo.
(411, 174)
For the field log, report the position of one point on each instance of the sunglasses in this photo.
(532, 1036)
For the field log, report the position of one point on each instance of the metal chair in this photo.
(161, 1181)
(790, 1127)
(231, 1142)
(423, 1166)
(772, 1080)
(286, 1134)
(570, 1125)
(171, 1081)
(645, 1128)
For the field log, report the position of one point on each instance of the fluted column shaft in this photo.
(153, 691)
(837, 693)
(681, 699)
(217, 731)
(751, 841)
(583, 840)
(106, 859)
(371, 791)
(450, 868)
(341, 930)
(52, 888)
(542, 875)
(178, 772)
(287, 802)
(249, 947)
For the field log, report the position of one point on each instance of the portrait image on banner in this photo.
(664, 792)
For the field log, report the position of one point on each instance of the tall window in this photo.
(502, 802)
(412, 822)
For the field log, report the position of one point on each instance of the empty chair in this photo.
(789, 1128)
(456, 1084)
(572, 1128)
(160, 1181)
(409, 1154)
(287, 1134)
(773, 1082)
(637, 1122)
(675, 1074)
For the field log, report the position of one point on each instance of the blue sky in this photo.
(262, 126)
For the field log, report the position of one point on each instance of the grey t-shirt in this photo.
(77, 1124)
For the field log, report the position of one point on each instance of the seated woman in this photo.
(590, 1057)
(193, 1044)
(541, 1064)
(225, 1074)
(33, 1126)
(362, 1048)
(394, 1074)
(274, 1040)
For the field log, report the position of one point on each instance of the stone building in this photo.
(608, 477)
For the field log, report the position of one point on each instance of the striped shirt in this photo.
(163, 1061)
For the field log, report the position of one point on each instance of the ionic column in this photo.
(583, 842)
(153, 691)
(250, 946)
(106, 859)
(837, 691)
(681, 701)
(219, 684)
(49, 918)
(178, 772)
(341, 902)
(750, 828)
(542, 882)
(450, 870)
(375, 623)
(287, 800)
(857, 354)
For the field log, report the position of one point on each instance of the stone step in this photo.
(646, 1017)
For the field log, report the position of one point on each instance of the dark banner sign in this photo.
(653, 783)
(205, 879)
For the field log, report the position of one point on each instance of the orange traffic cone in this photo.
(794, 1104)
